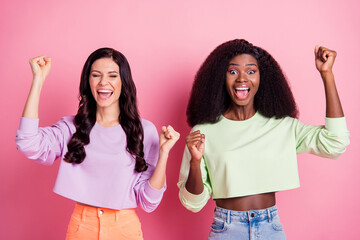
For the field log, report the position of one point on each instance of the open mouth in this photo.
(104, 93)
(242, 92)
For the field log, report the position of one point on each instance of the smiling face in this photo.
(105, 83)
(242, 81)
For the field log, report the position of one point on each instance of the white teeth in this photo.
(242, 88)
(104, 91)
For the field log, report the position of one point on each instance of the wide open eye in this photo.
(251, 72)
(233, 71)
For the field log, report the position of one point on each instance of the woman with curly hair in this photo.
(245, 137)
(112, 160)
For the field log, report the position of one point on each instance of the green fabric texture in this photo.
(257, 155)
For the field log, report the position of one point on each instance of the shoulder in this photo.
(149, 129)
(147, 125)
(66, 122)
(287, 120)
(205, 126)
(68, 119)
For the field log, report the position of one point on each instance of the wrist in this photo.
(327, 73)
(195, 163)
(37, 81)
(164, 152)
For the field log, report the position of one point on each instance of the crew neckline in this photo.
(96, 123)
(255, 116)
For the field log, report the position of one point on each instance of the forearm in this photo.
(194, 183)
(333, 103)
(31, 108)
(157, 180)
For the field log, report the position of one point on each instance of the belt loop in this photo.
(269, 215)
(228, 217)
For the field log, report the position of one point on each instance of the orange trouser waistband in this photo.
(95, 223)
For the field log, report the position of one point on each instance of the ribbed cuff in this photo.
(194, 198)
(336, 124)
(28, 125)
(154, 194)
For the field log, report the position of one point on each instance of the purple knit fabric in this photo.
(106, 178)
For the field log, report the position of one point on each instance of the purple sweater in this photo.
(106, 178)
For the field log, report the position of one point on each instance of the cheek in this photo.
(228, 88)
(228, 82)
(119, 86)
(92, 86)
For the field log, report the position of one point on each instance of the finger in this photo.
(174, 135)
(163, 129)
(170, 128)
(169, 135)
(316, 50)
(324, 55)
(193, 148)
(195, 134)
(193, 139)
(195, 142)
(200, 138)
(41, 62)
(47, 60)
(319, 53)
(199, 143)
(35, 59)
(202, 146)
(331, 53)
(170, 132)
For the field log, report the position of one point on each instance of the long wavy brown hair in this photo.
(86, 116)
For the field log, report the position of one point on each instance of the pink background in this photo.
(165, 44)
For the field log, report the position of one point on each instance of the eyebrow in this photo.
(108, 72)
(250, 64)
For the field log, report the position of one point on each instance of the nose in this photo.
(241, 77)
(103, 81)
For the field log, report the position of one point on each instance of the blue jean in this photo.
(247, 225)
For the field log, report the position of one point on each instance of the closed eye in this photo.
(95, 75)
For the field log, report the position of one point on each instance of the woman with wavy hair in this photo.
(112, 160)
(245, 137)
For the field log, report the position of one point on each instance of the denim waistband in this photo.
(246, 216)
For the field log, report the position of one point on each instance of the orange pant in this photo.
(92, 223)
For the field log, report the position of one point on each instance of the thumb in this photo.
(316, 49)
(163, 129)
(202, 143)
(202, 147)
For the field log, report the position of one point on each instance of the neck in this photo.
(239, 113)
(108, 117)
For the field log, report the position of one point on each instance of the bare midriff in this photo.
(247, 203)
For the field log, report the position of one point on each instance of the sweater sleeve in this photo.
(328, 141)
(193, 202)
(147, 196)
(46, 144)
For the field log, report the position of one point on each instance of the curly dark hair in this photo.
(209, 98)
(86, 116)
